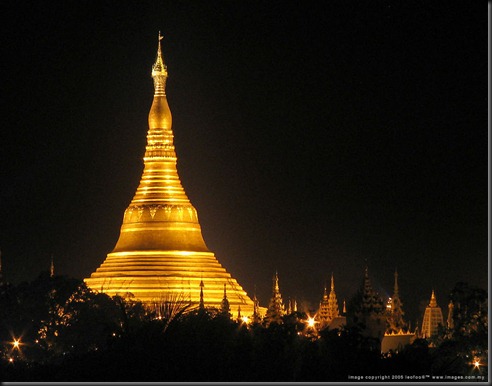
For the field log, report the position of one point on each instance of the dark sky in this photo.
(310, 136)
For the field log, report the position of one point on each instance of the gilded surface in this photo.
(160, 252)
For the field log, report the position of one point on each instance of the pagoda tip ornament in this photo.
(159, 71)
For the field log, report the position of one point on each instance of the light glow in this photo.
(476, 363)
(16, 343)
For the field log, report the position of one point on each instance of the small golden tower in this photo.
(160, 251)
(432, 318)
(328, 306)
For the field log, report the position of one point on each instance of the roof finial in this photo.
(275, 281)
(159, 71)
(433, 301)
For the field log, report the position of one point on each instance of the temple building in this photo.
(394, 309)
(276, 308)
(328, 314)
(397, 334)
(367, 310)
(432, 318)
(161, 251)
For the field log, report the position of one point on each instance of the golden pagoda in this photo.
(160, 253)
(432, 318)
(328, 306)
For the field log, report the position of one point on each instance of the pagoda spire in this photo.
(328, 306)
(159, 71)
(371, 301)
(52, 267)
(160, 249)
(395, 312)
(433, 301)
(256, 308)
(332, 301)
(323, 313)
(225, 307)
(275, 309)
(432, 318)
(202, 304)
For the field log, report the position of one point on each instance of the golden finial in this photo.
(159, 70)
(433, 301)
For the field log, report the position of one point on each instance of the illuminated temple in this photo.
(160, 253)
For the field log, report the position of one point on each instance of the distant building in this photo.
(367, 310)
(394, 311)
(328, 314)
(432, 319)
(397, 334)
(276, 308)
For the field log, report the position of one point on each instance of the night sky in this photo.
(310, 136)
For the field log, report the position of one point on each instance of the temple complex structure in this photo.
(394, 309)
(328, 307)
(432, 318)
(161, 252)
(398, 334)
(276, 308)
(367, 309)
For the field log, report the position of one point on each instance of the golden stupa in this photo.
(160, 253)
